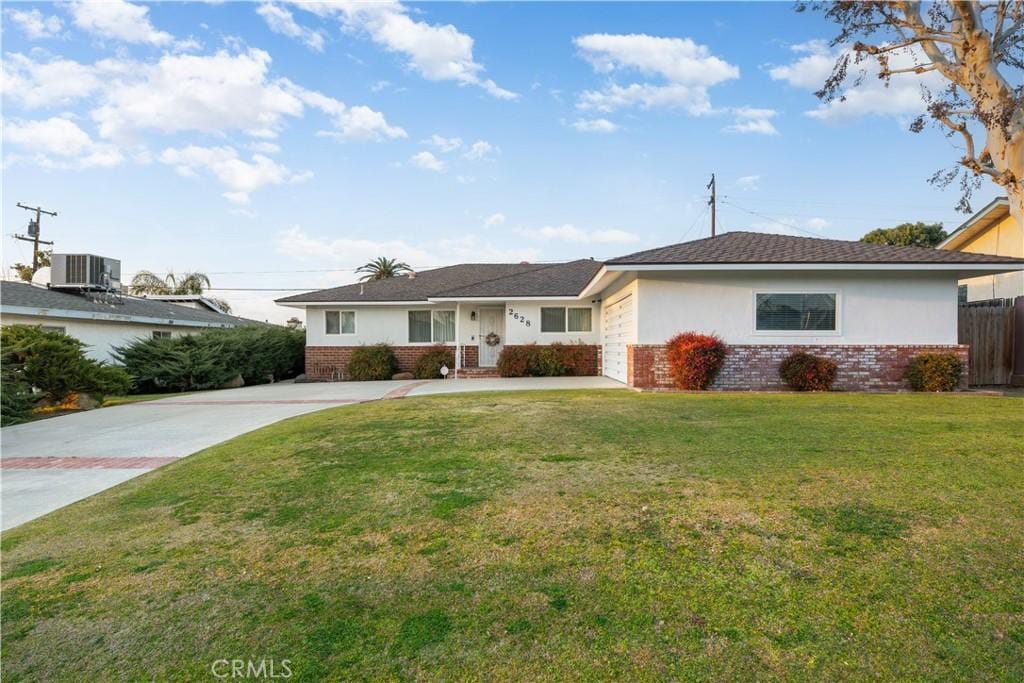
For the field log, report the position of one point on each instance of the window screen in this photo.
(444, 327)
(579, 320)
(787, 312)
(332, 322)
(552, 319)
(419, 326)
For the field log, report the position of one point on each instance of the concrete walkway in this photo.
(54, 462)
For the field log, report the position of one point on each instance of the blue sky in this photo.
(281, 145)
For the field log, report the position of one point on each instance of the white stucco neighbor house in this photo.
(103, 322)
(868, 307)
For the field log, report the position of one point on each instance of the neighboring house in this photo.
(990, 231)
(869, 307)
(104, 321)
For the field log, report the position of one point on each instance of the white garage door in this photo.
(618, 331)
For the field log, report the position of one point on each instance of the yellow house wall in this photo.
(1005, 238)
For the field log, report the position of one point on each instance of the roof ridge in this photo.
(503, 277)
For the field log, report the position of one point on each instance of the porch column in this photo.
(458, 338)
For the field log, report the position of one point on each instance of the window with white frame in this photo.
(565, 319)
(339, 322)
(161, 334)
(431, 326)
(54, 328)
(795, 311)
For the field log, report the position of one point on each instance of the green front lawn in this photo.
(553, 535)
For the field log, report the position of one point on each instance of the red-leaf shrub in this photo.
(935, 372)
(695, 359)
(554, 360)
(806, 372)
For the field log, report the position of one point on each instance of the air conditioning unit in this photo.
(85, 271)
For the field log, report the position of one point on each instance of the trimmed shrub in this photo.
(56, 365)
(554, 360)
(519, 361)
(210, 359)
(695, 359)
(806, 372)
(429, 364)
(935, 372)
(374, 362)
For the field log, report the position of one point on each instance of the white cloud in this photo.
(280, 20)
(380, 85)
(748, 182)
(57, 137)
(494, 220)
(216, 93)
(901, 97)
(686, 68)
(479, 150)
(442, 143)
(465, 179)
(570, 233)
(264, 147)
(753, 120)
(34, 24)
(436, 52)
(241, 178)
(41, 84)
(817, 224)
(428, 162)
(594, 126)
(118, 20)
(352, 252)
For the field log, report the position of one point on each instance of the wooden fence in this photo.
(988, 326)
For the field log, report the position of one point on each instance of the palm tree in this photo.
(381, 268)
(146, 282)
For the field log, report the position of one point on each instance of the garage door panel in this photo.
(618, 331)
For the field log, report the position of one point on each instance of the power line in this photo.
(703, 212)
(773, 220)
(758, 200)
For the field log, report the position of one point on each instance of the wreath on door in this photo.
(492, 339)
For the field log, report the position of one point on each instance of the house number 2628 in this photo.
(518, 316)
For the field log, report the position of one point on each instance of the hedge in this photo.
(554, 360)
(208, 360)
(54, 365)
(935, 372)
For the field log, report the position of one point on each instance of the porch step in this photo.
(474, 373)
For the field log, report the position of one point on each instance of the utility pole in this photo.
(711, 203)
(33, 233)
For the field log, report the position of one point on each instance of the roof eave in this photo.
(980, 221)
(995, 266)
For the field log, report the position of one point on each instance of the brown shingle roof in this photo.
(466, 279)
(755, 247)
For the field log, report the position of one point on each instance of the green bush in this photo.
(806, 372)
(429, 364)
(374, 362)
(555, 360)
(16, 400)
(56, 365)
(935, 372)
(209, 359)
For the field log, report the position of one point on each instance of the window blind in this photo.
(787, 312)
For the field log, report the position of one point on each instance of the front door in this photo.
(492, 322)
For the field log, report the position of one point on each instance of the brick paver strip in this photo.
(400, 392)
(84, 463)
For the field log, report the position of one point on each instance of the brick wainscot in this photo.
(755, 367)
(330, 362)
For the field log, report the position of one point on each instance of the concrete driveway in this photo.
(51, 463)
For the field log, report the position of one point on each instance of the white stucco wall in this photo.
(389, 323)
(872, 307)
(100, 336)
